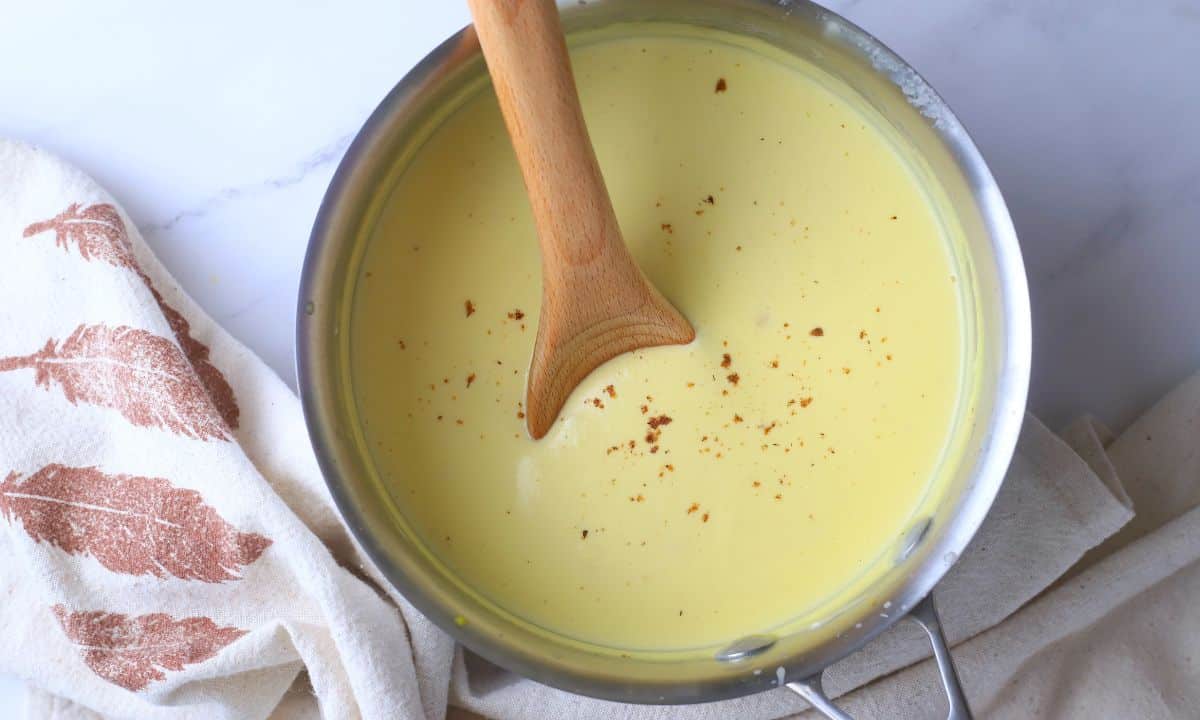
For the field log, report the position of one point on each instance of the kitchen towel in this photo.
(168, 548)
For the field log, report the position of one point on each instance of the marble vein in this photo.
(324, 156)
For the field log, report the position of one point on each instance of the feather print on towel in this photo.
(98, 233)
(134, 650)
(132, 525)
(139, 374)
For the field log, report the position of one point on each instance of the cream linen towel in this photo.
(168, 548)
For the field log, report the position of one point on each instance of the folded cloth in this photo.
(168, 548)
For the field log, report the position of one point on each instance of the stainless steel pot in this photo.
(997, 352)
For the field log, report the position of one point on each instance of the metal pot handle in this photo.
(925, 615)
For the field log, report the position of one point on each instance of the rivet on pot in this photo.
(912, 539)
(746, 647)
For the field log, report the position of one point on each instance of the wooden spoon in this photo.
(596, 303)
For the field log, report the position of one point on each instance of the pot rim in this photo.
(1012, 380)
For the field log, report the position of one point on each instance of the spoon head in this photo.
(571, 344)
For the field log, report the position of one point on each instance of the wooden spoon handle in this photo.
(596, 304)
(527, 58)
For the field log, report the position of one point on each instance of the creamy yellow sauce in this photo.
(805, 421)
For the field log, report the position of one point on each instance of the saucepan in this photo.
(996, 352)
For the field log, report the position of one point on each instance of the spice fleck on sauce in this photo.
(470, 379)
(516, 314)
(470, 306)
(583, 535)
(726, 360)
(612, 392)
(733, 378)
(816, 332)
(722, 86)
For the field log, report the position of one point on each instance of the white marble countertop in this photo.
(218, 126)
